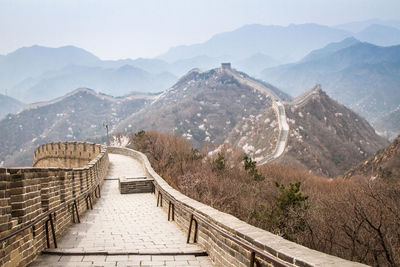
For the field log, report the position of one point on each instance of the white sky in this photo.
(132, 28)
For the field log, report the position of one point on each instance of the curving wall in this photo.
(65, 154)
(223, 251)
(26, 194)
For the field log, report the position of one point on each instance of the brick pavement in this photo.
(124, 225)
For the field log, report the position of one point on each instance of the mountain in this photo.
(75, 116)
(40, 73)
(269, 40)
(359, 26)
(363, 76)
(323, 136)
(9, 105)
(204, 106)
(33, 61)
(182, 66)
(385, 164)
(389, 124)
(380, 35)
(330, 49)
(254, 64)
(116, 82)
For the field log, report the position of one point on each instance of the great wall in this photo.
(278, 107)
(69, 179)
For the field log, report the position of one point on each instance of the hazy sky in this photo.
(132, 28)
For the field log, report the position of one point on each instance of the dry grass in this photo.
(354, 219)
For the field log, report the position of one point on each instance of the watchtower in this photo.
(226, 66)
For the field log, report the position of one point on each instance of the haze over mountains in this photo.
(220, 104)
(362, 76)
(39, 73)
(205, 107)
(358, 26)
(9, 105)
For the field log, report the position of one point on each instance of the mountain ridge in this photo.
(323, 136)
(384, 164)
(272, 41)
(9, 105)
(78, 115)
(362, 76)
(203, 106)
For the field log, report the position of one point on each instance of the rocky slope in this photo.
(324, 136)
(204, 106)
(76, 116)
(384, 164)
(327, 137)
(257, 135)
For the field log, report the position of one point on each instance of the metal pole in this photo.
(105, 125)
(108, 138)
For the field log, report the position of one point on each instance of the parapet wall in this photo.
(27, 194)
(65, 154)
(222, 250)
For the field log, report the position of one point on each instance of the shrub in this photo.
(286, 217)
(251, 168)
(354, 219)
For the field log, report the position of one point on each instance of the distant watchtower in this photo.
(226, 66)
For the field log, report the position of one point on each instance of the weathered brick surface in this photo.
(62, 171)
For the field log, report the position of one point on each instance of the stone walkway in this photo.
(124, 225)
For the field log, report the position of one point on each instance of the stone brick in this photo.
(23, 192)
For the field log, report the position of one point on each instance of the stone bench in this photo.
(133, 185)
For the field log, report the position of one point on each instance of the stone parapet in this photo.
(222, 250)
(65, 154)
(26, 194)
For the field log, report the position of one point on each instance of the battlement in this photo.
(65, 154)
(62, 171)
(35, 196)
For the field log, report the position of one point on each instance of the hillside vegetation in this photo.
(385, 164)
(354, 219)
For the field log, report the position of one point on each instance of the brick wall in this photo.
(222, 250)
(27, 193)
(65, 154)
